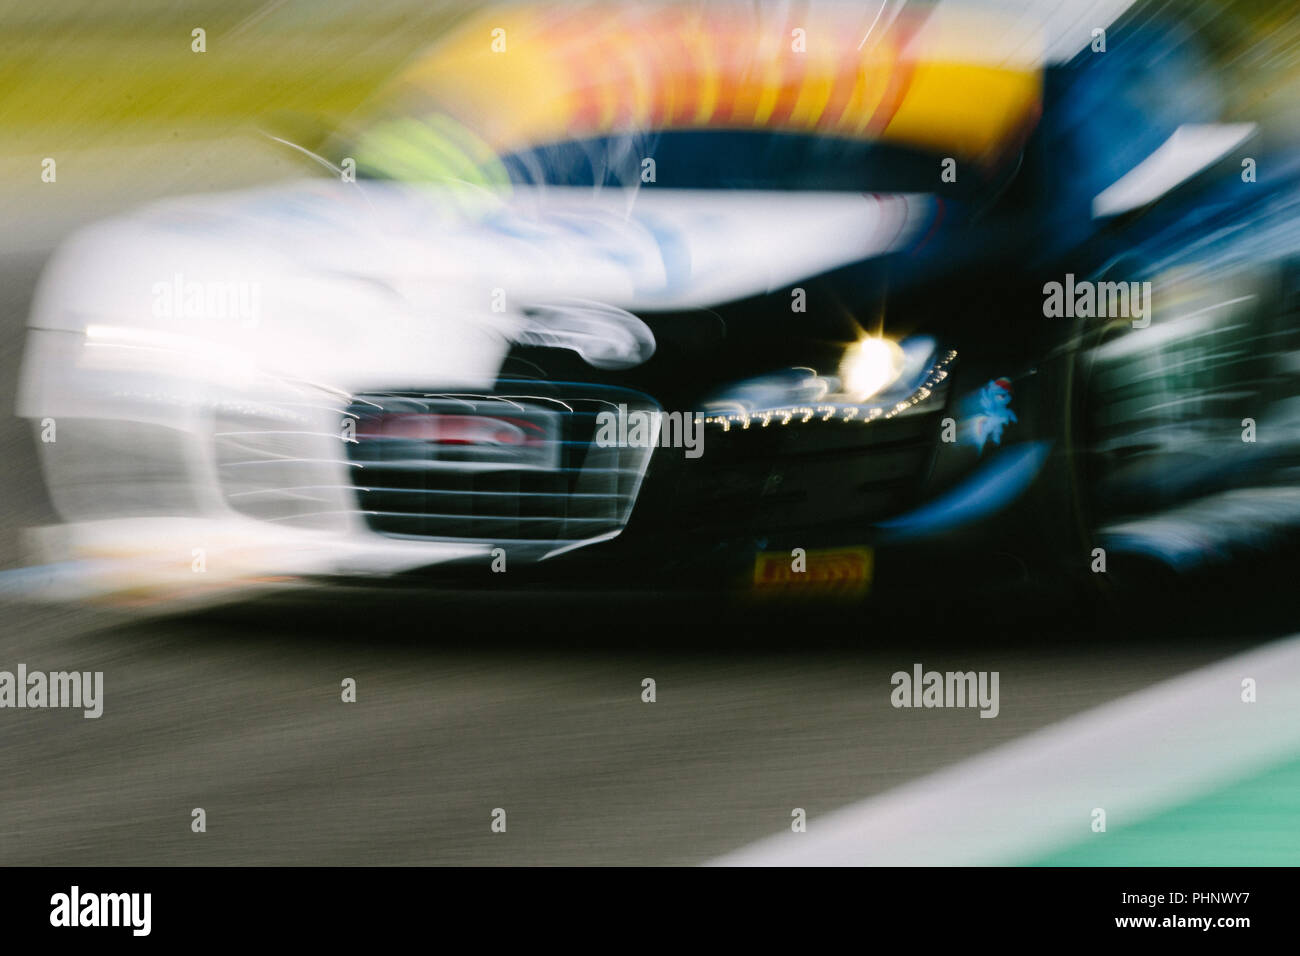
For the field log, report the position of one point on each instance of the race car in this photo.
(655, 309)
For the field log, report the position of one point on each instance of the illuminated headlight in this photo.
(878, 378)
(869, 367)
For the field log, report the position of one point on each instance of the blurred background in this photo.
(1166, 155)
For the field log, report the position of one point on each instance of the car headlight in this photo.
(878, 378)
(869, 366)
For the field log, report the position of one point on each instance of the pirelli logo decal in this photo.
(843, 572)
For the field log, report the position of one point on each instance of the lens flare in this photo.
(869, 365)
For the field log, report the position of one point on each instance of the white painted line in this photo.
(1173, 742)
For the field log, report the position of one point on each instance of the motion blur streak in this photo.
(987, 491)
(718, 66)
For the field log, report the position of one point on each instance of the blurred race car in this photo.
(657, 319)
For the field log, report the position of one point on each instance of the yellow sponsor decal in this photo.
(842, 572)
(623, 69)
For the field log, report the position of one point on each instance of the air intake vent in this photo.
(518, 466)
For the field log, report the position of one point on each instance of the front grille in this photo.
(529, 473)
(765, 481)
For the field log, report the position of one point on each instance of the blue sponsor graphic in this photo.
(994, 413)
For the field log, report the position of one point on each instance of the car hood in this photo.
(354, 284)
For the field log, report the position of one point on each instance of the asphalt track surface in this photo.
(463, 710)
(468, 704)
